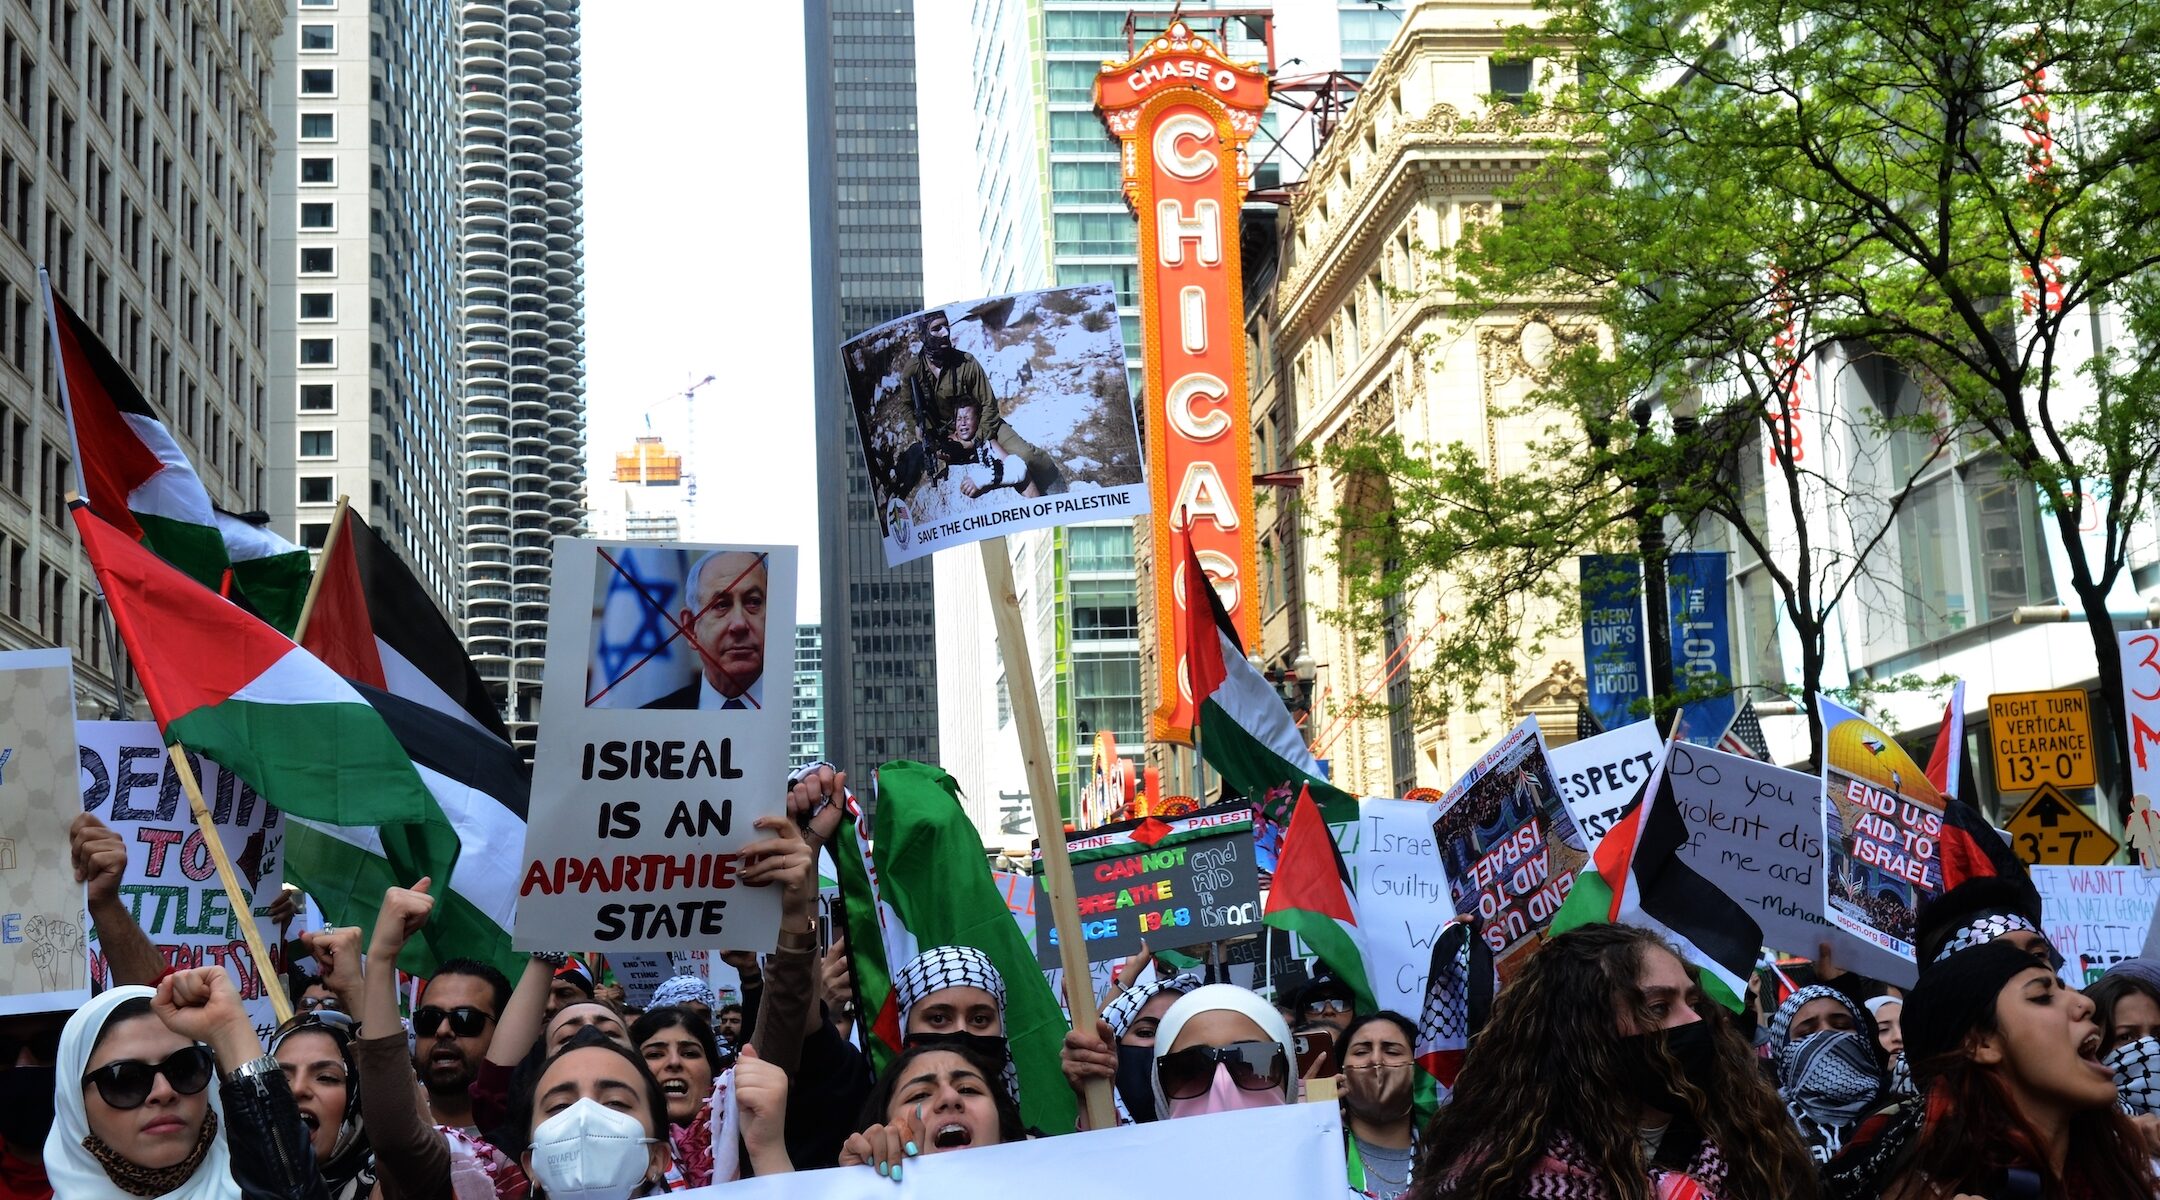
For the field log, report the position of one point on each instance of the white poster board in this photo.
(171, 885)
(1600, 775)
(644, 792)
(42, 923)
(2096, 916)
(1402, 897)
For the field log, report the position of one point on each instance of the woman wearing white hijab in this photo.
(1222, 1048)
(136, 1115)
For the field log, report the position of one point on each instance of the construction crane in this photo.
(688, 396)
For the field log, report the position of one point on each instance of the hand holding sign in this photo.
(784, 859)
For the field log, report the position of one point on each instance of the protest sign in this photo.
(995, 416)
(2096, 916)
(2141, 706)
(1881, 819)
(1509, 845)
(1614, 642)
(639, 974)
(1402, 896)
(1174, 882)
(1282, 1152)
(171, 886)
(42, 925)
(1601, 775)
(1755, 832)
(640, 810)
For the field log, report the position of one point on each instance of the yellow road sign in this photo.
(2050, 829)
(2041, 738)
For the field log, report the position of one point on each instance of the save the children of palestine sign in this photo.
(1169, 882)
(662, 742)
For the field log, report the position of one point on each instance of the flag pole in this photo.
(314, 583)
(1049, 823)
(265, 967)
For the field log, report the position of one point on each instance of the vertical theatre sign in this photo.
(1184, 113)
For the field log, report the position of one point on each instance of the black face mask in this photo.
(26, 1109)
(1690, 1045)
(1136, 1081)
(990, 1048)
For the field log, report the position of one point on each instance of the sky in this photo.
(697, 257)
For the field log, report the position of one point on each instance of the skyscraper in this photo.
(880, 644)
(806, 720)
(361, 345)
(524, 334)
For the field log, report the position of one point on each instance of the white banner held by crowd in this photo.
(646, 790)
(171, 885)
(42, 925)
(1601, 774)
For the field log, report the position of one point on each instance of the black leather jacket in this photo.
(272, 1158)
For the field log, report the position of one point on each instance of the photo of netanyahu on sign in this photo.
(726, 619)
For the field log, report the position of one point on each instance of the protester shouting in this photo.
(1830, 1068)
(1122, 1048)
(136, 1115)
(1605, 1074)
(1379, 1080)
(314, 1050)
(681, 1052)
(452, 1027)
(2014, 1098)
(954, 996)
(1220, 1048)
(933, 1098)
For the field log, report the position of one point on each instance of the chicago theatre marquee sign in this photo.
(1184, 113)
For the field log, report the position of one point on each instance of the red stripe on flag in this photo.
(1616, 854)
(1308, 876)
(339, 630)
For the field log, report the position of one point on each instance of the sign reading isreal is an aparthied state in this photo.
(1169, 882)
(663, 740)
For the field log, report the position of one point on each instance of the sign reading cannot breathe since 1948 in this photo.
(1167, 882)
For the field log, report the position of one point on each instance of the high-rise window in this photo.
(318, 214)
(318, 260)
(318, 126)
(318, 489)
(318, 352)
(318, 81)
(318, 397)
(318, 37)
(318, 443)
(318, 306)
(318, 170)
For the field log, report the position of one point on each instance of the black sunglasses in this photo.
(340, 1026)
(465, 1020)
(127, 1083)
(1254, 1067)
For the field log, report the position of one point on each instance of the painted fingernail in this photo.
(911, 1150)
(896, 1172)
(881, 1168)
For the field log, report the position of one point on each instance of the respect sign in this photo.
(1601, 775)
(1197, 883)
(171, 887)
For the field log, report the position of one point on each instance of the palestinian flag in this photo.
(1311, 898)
(242, 694)
(1245, 731)
(927, 885)
(1637, 878)
(268, 572)
(1969, 847)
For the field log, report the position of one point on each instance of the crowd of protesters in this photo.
(1605, 1070)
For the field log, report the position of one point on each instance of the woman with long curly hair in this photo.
(2014, 1098)
(1605, 1075)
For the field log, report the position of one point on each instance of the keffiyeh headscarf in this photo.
(1123, 1011)
(2137, 1074)
(1985, 927)
(943, 967)
(1830, 1078)
(685, 989)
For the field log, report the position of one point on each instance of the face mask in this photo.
(1135, 1070)
(1379, 1092)
(1690, 1045)
(590, 1152)
(1224, 1096)
(1830, 1073)
(991, 1048)
(26, 1108)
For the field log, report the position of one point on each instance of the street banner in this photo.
(42, 924)
(171, 887)
(1601, 775)
(1402, 896)
(1169, 882)
(1882, 820)
(1282, 1152)
(994, 416)
(1509, 845)
(1701, 643)
(2141, 707)
(1615, 646)
(1755, 832)
(2095, 916)
(639, 812)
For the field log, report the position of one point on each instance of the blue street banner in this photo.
(1701, 643)
(1613, 637)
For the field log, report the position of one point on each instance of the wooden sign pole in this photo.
(265, 966)
(1049, 822)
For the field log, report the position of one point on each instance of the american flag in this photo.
(1745, 736)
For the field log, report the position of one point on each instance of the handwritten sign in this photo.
(2096, 916)
(1755, 832)
(171, 886)
(1509, 844)
(2141, 706)
(639, 812)
(1402, 896)
(1881, 822)
(42, 924)
(1601, 775)
(1192, 886)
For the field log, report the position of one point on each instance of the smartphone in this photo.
(1313, 1046)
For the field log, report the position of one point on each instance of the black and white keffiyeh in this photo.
(685, 989)
(1125, 1009)
(2137, 1074)
(1782, 1020)
(943, 967)
(1829, 1080)
(1984, 928)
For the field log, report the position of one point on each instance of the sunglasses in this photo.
(1254, 1067)
(1329, 1005)
(338, 1025)
(320, 1004)
(465, 1020)
(127, 1083)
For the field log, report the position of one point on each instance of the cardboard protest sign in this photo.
(2141, 707)
(2096, 916)
(1601, 775)
(995, 416)
(1402, 896)
(639, 811)
(1755, 832)
(1282, 1152)
(1881, 819)
(639, 974)
(171, 886)
(1170, 883)
(42, 925)
(1509, 845)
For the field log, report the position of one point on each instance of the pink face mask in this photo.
(1224, 1096)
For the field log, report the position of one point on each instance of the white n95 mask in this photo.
(590, 1152)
